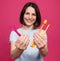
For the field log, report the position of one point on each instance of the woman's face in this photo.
(29, 16)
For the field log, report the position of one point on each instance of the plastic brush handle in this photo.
(17, 33)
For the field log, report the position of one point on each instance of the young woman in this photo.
(21, 49)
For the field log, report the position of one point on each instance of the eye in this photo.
(26, 13)
(34, 14)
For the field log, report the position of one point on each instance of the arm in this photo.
(14, 51)
(44, 50)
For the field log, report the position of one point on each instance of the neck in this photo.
(28, 27)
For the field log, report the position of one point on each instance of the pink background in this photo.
(9, 15)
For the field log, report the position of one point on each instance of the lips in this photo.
(29, 20)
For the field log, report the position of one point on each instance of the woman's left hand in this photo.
(39, 40)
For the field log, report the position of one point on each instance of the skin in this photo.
(19, 46)
(30, 16)
(22, 42)
(41, 43)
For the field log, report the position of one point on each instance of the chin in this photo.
(29, 24)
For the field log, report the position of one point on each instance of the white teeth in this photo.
(28, 20)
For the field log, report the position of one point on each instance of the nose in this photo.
(30, 16)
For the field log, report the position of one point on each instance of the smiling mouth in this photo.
(29, 20)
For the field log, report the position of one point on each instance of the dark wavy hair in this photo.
(38, 15)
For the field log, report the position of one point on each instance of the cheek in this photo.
(25, 16)
(34, 18)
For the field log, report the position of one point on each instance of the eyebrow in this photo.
(32, 13)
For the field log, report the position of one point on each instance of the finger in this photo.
(35, 42)
(17, 44)
(39, 43)
(22, 39)
(41, 36)
(19, 40)
(26, 41)
(40, 40)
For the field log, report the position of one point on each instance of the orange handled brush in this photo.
(45, 21)
(46, 30)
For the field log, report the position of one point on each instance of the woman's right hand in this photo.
(22, 42)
